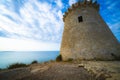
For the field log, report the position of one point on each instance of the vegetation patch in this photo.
(70, 59)
(59, 58)
(34, 62)
(116, 57)
(17, 65)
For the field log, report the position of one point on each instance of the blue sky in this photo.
(37, 24)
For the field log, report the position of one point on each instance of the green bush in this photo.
(17, 65)
(59, 58)
(34, 62)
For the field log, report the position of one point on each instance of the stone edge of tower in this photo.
(81, 4)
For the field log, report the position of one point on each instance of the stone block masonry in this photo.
(86, 36)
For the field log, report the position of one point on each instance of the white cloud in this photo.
(37, 20)
(59, 3)
(111, 6)
(72, 2)
(7, 44)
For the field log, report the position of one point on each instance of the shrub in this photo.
(34, 62)
(16, 65)
(70, 59)
(51, 60)
(116, 57)
(59, 58)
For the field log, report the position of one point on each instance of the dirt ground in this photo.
(86, 70)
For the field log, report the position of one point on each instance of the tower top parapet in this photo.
(82, 3)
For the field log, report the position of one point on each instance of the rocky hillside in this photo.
(86, 70)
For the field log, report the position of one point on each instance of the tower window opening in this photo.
(80, 19)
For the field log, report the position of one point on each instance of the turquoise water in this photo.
(10, 57)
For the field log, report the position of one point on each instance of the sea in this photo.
(10, 57)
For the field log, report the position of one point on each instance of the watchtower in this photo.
(86, 36)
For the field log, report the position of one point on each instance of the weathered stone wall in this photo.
(90, 39)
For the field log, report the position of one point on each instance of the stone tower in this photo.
(86, 36)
